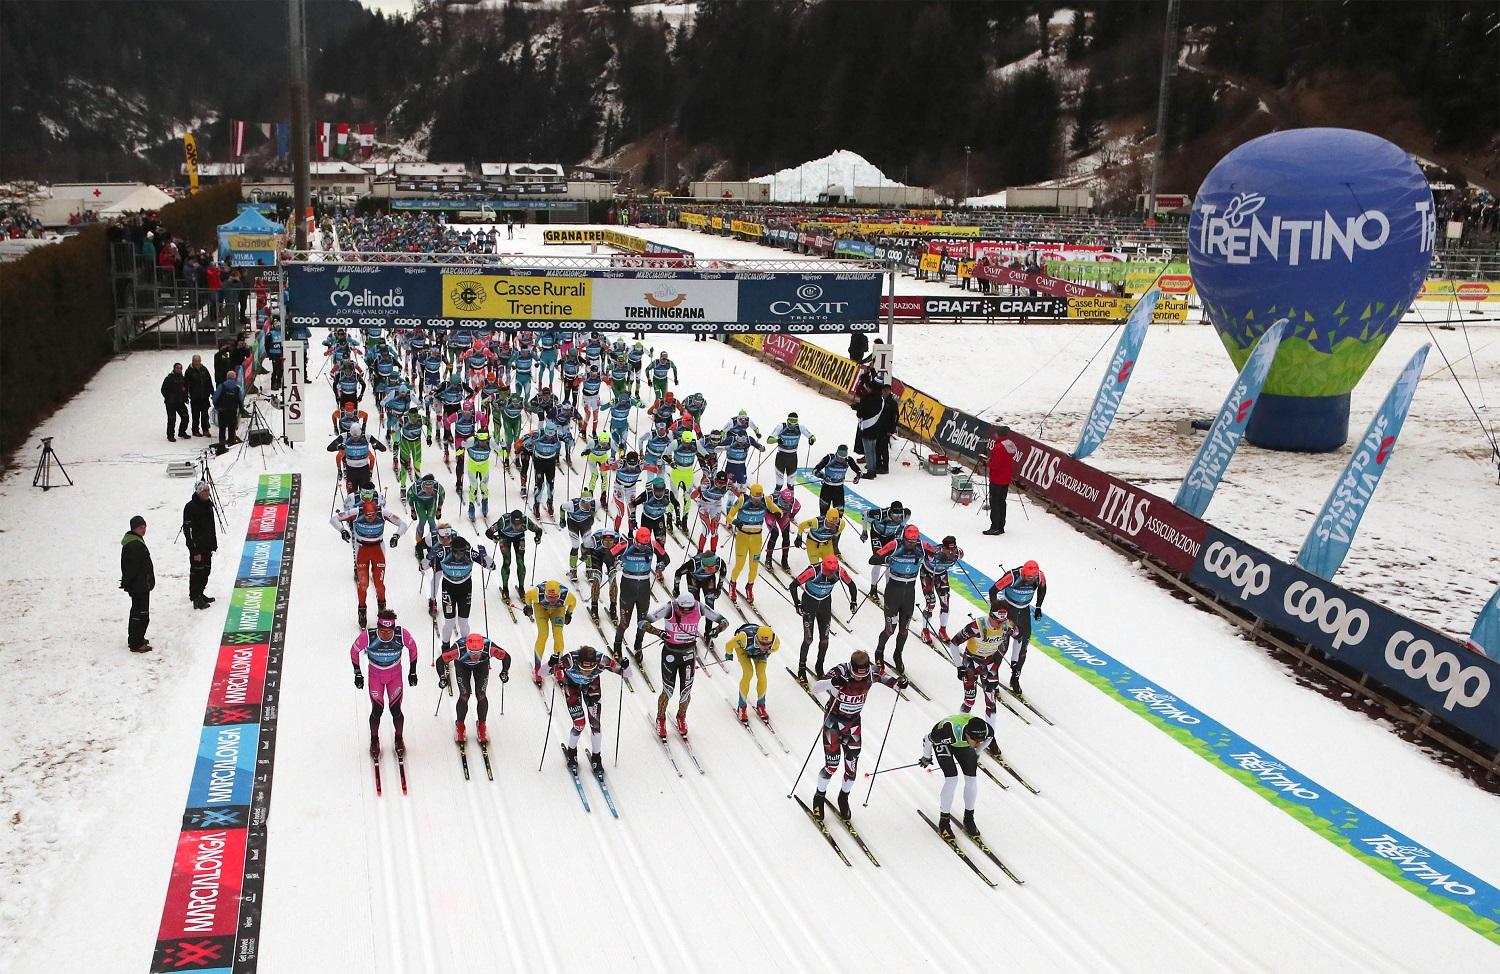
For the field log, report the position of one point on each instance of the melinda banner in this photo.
(656, 300)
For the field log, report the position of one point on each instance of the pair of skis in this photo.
(609, 799)
(822, 826)
(666, 748)
(484, 752)
(951, 841)
(756, 737)
(400, 769)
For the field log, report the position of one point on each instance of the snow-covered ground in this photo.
(843, 168)
(1135, 850)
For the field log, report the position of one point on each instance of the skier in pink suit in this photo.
(382, 645)
(780, 526)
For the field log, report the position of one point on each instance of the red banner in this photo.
(783, 348)
(1052, 286)
(1146, 522)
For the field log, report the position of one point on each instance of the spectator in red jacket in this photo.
(1003, 455)
(213, 280)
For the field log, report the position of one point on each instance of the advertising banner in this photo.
(827, 367)
(695, 220)
(747, 228)
(627, 242)
(919, 412)
(1415, 662)
(1116, 378)
(964, 435)
(1228, 430)
(1146, 522)
(1036, 282)
(1462, 290)
(1333, 531)
(983, 306)
(799, 301)
(572, 236)
(361, 295)
(1116, 309)
(643, 299)
(931, 263)
(782, 348)
(914, 230)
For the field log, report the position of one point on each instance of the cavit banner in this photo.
(1228, 430)
(1116, 377)
(656, 300)
(1416, 663)
(211, 920)
(1331, 534)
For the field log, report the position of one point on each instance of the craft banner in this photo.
(1229, 426)
(1116, 377)
(1333, 531)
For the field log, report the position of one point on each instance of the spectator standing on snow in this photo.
(200, 386)
(174, 395)
(890, 414)
(202, 537)
(137, 579)
(1003, 454)
(868, 411)
(227, 402)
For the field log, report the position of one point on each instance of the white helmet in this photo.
(686, 600)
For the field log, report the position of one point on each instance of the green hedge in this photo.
(56, 311)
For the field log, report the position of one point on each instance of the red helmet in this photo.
(643, 535)
(369, 508)
(1030, 570)
(831, 564)
(912, 533)
(475, 642)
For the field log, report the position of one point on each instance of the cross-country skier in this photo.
(577, 674)
(788, 439)
(509, 535)
(936, 565)
(820, 535)
(452, 560)
(353, 456)
(1020, 592)
(382, 647)
(660, 369)
(779, 526)
(812, 596)
(683, 621)
(881, 528)
(655, 504)
(902, 559)
(850, 684)
(639, 559)
(747, 518)
(551, 605)
(577, 514)
(598, 561)
(362, 522)
(831, 471)
(424, 501)
(708, 500)
(955, 743)
(752, 644)
(977, 651)
(703, 572)
(471, 664)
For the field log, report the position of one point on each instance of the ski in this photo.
(746, 724)
(484, 752)
(823, 827)
(401, 770)
(993, 777)
(978, 840)
(463, 757)
(806, 688)
(511, 608)
(688, 747)
(1000, 759)
(665, 748)
(1029, 706)
(774, 735)
(577, 781)
(858, 840)
(375, 762)
(952, 843)
(609, 799)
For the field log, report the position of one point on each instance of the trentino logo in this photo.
(1238, 235)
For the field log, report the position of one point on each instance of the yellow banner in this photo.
(753, 342)
(746, 227)
(825, 366)
(623, 241)
(931, 262)
(507, 298)
(190, 151)
(717, 223)
(253, 241)
(916, 230)
(823, 224)
(1443, 290)
(1117, 309)
(572, 236)
(966, 268)
(914, 211)
(1142, 280)
(919, 412)
(697, 220)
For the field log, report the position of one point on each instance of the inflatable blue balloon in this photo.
(1329, 228)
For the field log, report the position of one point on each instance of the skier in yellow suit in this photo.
(751, 644)
(748, 519)
(551, 605)
(820, 535)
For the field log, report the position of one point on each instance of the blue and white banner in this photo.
(1224, 437)
(1117, 376)
(1485, 639)
(1331, 534)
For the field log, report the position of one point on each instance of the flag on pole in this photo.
(1331, 534)
(1224, 436)
(236, 139)
(323, 138)
(341, 139)
(190, 152)
(1117, 376)
(366, 139)
(283, 139)
(1485, 639)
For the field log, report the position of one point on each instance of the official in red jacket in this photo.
(1002, 462)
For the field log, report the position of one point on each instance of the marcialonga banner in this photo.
(190, 152)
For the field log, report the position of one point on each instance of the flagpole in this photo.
(297, 42)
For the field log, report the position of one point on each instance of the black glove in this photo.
(853, 605)
(797, 604)
(902, 683)
(345, 533)
(1036, 613)
(796, 541)
(411, 677)
(567, 618)
(394, 539)
(924, 762)
(443, 678)
(432, 608)
(624, 664)
(527, 609)
(505, 673)
(359, 679)
(536, 537)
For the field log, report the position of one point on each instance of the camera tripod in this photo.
(259, 429)
(44, 464)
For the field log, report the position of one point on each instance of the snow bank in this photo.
(844, 169)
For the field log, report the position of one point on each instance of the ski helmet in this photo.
(912, 533)
(686, 601)
(977, 730)
(756, 490)
(474, 643)
(1030, 570)
(552, 591)
(834, 516)
(643, 535)
(765, 635)
(602, 439)
(688, 436)
(831, 564)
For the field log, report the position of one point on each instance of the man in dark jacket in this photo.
(200, 386)
(227, 402)
(859, 346)
(868, 411)
(137, 579)
(890, 414)
(223, 361)
(174, 394)
(202, 537)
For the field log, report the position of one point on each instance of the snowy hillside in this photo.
(835, 174)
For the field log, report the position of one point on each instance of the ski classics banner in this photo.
(211, 920)
(1443, 884)
(1333, 531)
(656, 300)
(1420, 664)
(1116, 377)
(1224, 436)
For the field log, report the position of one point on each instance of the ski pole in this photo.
(881, 753)
(619, 709)
(810, 750)
(547, 739)
(899, 767)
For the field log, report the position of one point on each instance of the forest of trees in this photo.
(914, 85)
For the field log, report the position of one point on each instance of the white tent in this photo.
(145, 198)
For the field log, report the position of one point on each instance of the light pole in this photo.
(297, 41)
(967, 150)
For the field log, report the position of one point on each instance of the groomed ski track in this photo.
(1135, 853)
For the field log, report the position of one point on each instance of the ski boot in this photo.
(614, 614)
(375, 746)
(536, 675)
(570, 754)
(458, 732)
(682, 724)
(472, 512)
(749, 593)
(400, 747)
(844, 812)
(661, 728)
(484, 510)
(573, 577)
(596, 763)
(817, 807)
(536, 511)
(874, 596)
(943, 633)
(970, 826)
(784, 566)
(480, 733)
(734, 592)
(760, 711)
(742, 714)
(550, 510)
(1015, 680)
(364, 619)
(523, 492)
(945, 826)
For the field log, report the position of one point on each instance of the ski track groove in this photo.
(423, 906)
(480, 829)
(384, 846)
(522, 880)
